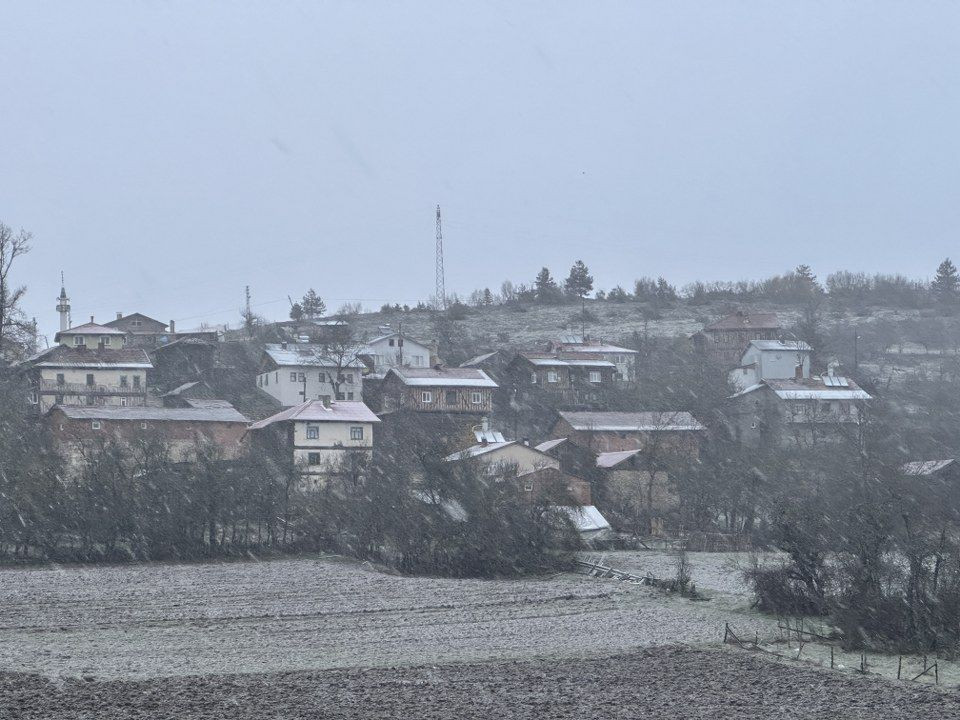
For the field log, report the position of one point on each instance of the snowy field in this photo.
(321, 613)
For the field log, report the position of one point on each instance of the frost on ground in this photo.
(316, 613)
(670, 682)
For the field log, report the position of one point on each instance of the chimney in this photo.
(326, 401)
(119, 315)
(798, 372)
(526, 441)
(283, 345)
(91, 319)
(173, 326)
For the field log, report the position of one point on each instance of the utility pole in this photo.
(440, 289)
(856, 350)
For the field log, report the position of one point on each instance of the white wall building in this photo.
(771, 360)
(293, 373)
(395, 349)
(320, 437)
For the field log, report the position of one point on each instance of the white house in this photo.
(295, 372)
(394, 349)
(319, 436)
(771, 360)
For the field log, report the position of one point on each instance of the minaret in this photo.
(63, 306)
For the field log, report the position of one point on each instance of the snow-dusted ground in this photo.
(319, 613)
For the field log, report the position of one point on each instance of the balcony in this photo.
(52, 387)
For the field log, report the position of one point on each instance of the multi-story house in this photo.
(576, 347)
(438, 390)
(573, 378)
(89, 376)
(181, 432)
(394, 349)
(725, 340)
(293, 373)
(771, 360)
(319, 438)
(797, 411)
(669, 434)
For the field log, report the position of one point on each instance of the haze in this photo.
(166, 154)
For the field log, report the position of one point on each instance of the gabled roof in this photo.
(594, 347)
(781, 346)
(155, 414)
(819, 388)
(589, 421)
(316, 411)
(550, 444)
(609, 460)
(541, 360)
(387, 336)
(306, 355)
(445, 377)
(481, 449)
(925, 467)
(746, 321)
(64, 356)
(479, 359)
(131, 316)
(90, 328)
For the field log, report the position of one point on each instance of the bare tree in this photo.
(13, 326)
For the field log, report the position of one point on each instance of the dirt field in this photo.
(674, 683)
(313, 614)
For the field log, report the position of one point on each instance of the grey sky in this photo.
(166, 154)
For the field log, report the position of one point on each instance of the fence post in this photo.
(831, 657)
(899, 666)
(936, 672)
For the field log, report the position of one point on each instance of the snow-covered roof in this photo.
(478, 450)
(588, 347)
(181, 388)
(445, 377)
(479, 359)
(586, 518)
(820, 388)
(925, 467)
(306, 355)
(64, 356)
(550, 444)
(489, 436)
(90, 328)
(557, 362)
(781, 346)
(316, 411)
(608, 460)
(631, 421)
(155, 414)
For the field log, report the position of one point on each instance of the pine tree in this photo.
(580, 282)
(296, 311)
(545, 287)
(806, 280)
(487, 298)
(312, 306)
(946, 283)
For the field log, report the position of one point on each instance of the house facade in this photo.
(576, 379)
(623, 360)
(319, 438)
(293, 373)
(725, 340)
(87, 376)
(668, 434)
(797, 412)
(438, 390)
(394, 349)
(78, 430)
(771, 360)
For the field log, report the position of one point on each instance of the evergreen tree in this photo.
(296, 311)
(806, 280)
(487, 298)
(312, 305)
(945, 285)
(580, 282)
(545, 287)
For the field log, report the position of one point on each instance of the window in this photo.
(95, 425)
(451, 397)
(528, 486)
(143, 426)
(89, 379)
(476, 398)
(594, 376)
(341, 397)
(533, 378)
(313, 432)
(417, 360)
(266, 380)
(58, 400)
(123, 402)
(259, 380)
(136, 381)
(426, 396)
(349, 377)
(105, 340)
(293, 377)
(301, 377)
(124, 381)
(552, 376)
(392, 342)
(34, 397)
(78, 340)
(349, 396)
(313, 458)
(356, 433)
(61, 380)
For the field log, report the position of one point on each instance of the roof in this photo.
(387, 336)
(63, 356)
(449, 377)
(478, 450)
(305, 355)
(490, 436)
(632, 421)
(479, 359)
(181, 388)
(589, 347)
(316, 411)
(113, 323)
(207, 403)
(181, 341)
(925, 467)
(820, 388)
(550, 444)
(226, 413)
(587, 518)
(608, 460)
(746, 321)
(90, 328)
(542, 361)
(781, 346)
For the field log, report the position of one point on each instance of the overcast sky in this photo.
(166, 154)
